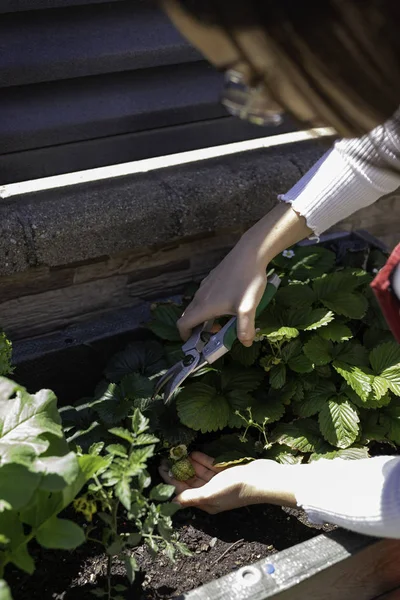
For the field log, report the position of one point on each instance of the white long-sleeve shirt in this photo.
(351, 176)
(361, 495)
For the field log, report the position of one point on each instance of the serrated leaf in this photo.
(291, 349)
(282, 333)
(224, 461)
(283, 455)
(385, 361)
(380, 387)
(140, 423)
(300, 364)
(349, 304)
(307, 262)
(164, 319)
(332, 283)
(122, 433)
(124, 493)
(267, 409)
(301, 435)
(295, 295)
(358, 380)
(315, 399)
(308, 319)
(339, 422)
(320, 317)
(145, 438)
(200, 407)
(245, 380)
(246, 356)
(336, 332)
(318, 351)
(136, 386)
(352, 353)
(110, 404)
(277, 376)
(60, 534)
(162, 492)
(117, 450)
(351, 453)
(145, 357)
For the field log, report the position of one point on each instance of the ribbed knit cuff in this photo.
(343, 181)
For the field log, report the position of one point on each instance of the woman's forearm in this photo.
(280, 228)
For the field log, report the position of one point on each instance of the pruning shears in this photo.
(204, 347)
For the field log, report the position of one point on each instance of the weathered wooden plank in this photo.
(337, 566)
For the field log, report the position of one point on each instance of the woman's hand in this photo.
(215, 489)
(236, 285)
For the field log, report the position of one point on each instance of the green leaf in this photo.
(117, 450)
(282, 333)
(131, 567)
(318, 351)
(23, 560)
(336, 332)
(122, 433)
(56, 471)
(144, 357)
(267, 409)
(25, 422)
(162, 492)
(339, 422)
(244, 380)
(60, 534)
(358, 380)
(380, 387)
(110, 403)
(302, 435)
(352, 353)
(283, 455)
(17, 485)
(136, 386)
(352, 453)
(164, 319)
(96, 448)
(140, 423)
(277, 376)
(115, 548)
(390, 420)
(168, 509)
(124, 493)
(5, 592)
(296, 295)
(385, 361)
(183, 549)
(308, 262)
(308, 319)
(349, 304)
(145, 438)
(315, 399)
(300, 364)
(200, 407)
(134, 539)
(291, 350)
(246, 356)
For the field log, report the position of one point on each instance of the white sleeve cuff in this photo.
(359, 495)
(351, 176)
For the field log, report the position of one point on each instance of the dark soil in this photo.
(219, 544)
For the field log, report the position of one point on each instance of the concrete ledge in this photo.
(83, 222)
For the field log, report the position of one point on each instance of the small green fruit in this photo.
(183, 469)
